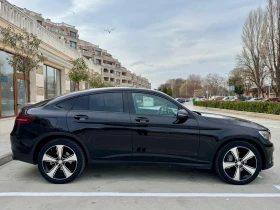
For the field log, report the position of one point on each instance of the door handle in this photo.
(81, 117)
(142, 119)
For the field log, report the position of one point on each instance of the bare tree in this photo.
(241, 77)
(273, 43)
(213, 84)
(254, 41)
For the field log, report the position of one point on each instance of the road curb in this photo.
(251, 114)
(6, 158)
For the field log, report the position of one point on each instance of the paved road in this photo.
(99, 186)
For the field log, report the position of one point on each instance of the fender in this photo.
(52, 135)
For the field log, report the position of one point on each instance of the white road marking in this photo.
(119, 194)
(259, 176)
(277, 186)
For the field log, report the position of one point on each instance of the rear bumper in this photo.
(21, 151)
(269, 162)
(23, 157)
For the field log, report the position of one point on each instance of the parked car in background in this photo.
(181, 100)
(272, 100)
(218, 98)
(228, 98)
(255, 100)
(187, 100)
(200, 99)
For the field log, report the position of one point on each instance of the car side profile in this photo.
(136, 126)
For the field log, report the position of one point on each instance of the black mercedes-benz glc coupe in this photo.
(136, 126)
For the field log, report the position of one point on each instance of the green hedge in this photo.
(260, 107)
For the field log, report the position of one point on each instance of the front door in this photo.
(102, 121)
(157, 136)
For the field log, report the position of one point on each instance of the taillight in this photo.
(22, 120)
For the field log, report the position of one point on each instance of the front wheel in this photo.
(238, 163)
(61, 161)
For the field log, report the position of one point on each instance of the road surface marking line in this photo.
(259, 176)
(119, 194)
(277, 186)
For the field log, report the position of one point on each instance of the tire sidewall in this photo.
(222, 153)
(72, 145)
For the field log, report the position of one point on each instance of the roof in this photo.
(94, 90)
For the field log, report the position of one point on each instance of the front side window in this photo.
(96, 52)
(107, 102)
(52, 82)
(153, 105)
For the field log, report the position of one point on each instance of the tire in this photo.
(64, 166)
(241, 171)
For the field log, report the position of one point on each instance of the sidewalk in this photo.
(6, 126)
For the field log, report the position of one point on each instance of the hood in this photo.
(232, 121)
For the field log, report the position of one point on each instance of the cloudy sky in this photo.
(159, 39)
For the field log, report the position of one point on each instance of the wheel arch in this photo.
(43, 141)
(250, 141)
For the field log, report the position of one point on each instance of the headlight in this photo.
(265, 135)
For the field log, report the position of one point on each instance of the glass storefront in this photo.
(6, 87)
(52, 82)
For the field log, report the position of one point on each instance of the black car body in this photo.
(181, 100)
(133, 126)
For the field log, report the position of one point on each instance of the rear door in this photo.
(102, 121)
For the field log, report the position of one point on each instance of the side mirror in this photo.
(182, 114)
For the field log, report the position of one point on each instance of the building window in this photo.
(118, 66)
(118, 74)
(96, 52)
(98, 62)
(52, 82)
(117, 81)
(40, 22)
(73, 44)
(73, 34)
(7, 100)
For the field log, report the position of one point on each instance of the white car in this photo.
(255, 100)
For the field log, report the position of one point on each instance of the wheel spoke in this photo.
(249, 169)
(228, 164)
(53, 171)
(59, 149)
(66, 171)
(70, 158)
(248, 156)
(234, 151)
(48, 158)
(237, 174)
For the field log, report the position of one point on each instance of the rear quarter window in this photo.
(67, 104)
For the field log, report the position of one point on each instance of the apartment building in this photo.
(111, 69)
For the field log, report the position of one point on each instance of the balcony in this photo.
(108, 65)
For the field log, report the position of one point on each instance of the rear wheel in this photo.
(238, 163)
(61, 161)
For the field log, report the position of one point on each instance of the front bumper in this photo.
(269, 162)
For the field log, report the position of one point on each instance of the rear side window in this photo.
(81, 103)
(107, 102)
(66, 104)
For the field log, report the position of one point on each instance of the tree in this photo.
(25, 46)
(213, 83)
(239, 90)
(79, 72)
(254, 41)
(273, 43)
(95, 81)
(169, 92)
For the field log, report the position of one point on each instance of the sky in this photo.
(157, 39)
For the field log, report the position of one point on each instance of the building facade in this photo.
(51, 78)
(112, 70)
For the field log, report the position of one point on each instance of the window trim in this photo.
(125, 106)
